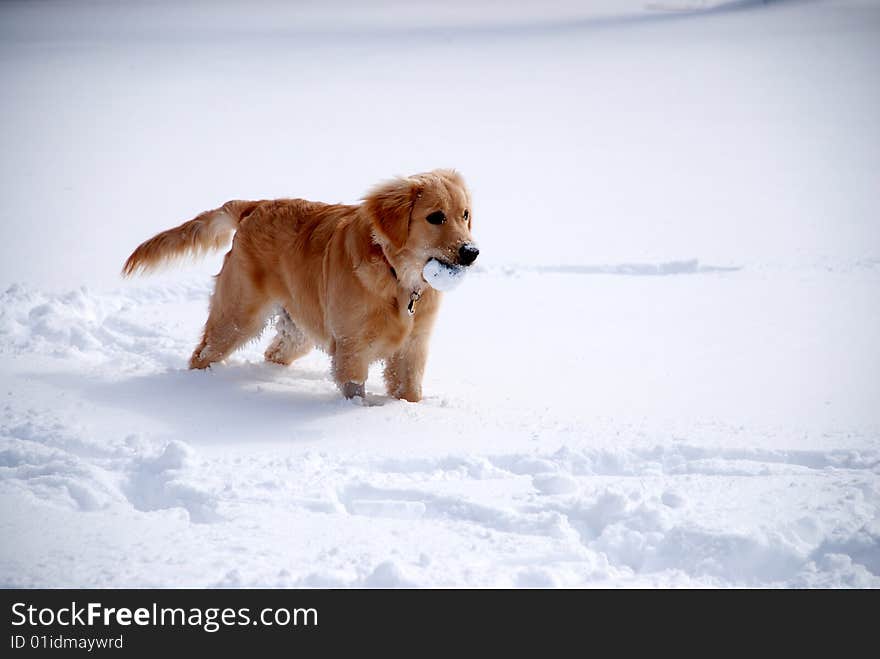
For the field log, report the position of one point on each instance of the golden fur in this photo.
(343, 274)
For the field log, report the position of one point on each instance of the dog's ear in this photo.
(390, 207)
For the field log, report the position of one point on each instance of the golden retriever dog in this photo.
(347, 278)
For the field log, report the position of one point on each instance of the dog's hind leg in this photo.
(290, 342)
(238, 314)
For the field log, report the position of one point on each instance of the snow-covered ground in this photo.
(665, 372)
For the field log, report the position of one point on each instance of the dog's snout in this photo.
(468, 253)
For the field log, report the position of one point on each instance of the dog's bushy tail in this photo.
(206, 232)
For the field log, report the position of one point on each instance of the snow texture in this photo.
(661, 372)
(442, 276)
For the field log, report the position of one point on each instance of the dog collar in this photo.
(414, 297)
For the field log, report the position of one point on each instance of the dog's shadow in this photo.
(224, 404)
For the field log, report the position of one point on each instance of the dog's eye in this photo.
(437, 217)
(466, 215)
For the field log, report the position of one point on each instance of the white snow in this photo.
(662, 370)
(443, 276)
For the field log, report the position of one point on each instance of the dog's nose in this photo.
(468, 253)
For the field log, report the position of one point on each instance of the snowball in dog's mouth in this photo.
(443, 276)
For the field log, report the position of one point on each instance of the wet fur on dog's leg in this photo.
(352, 389)
(225, 333)
(404, 371)
(290, 342)
(350, 367)
(238, 313)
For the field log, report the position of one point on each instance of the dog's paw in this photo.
(276, 355)
(352, 389)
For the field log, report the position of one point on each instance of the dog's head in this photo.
(423, 217)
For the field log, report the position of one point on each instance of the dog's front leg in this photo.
(405, 368)
(350, 368)
(352, 389)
